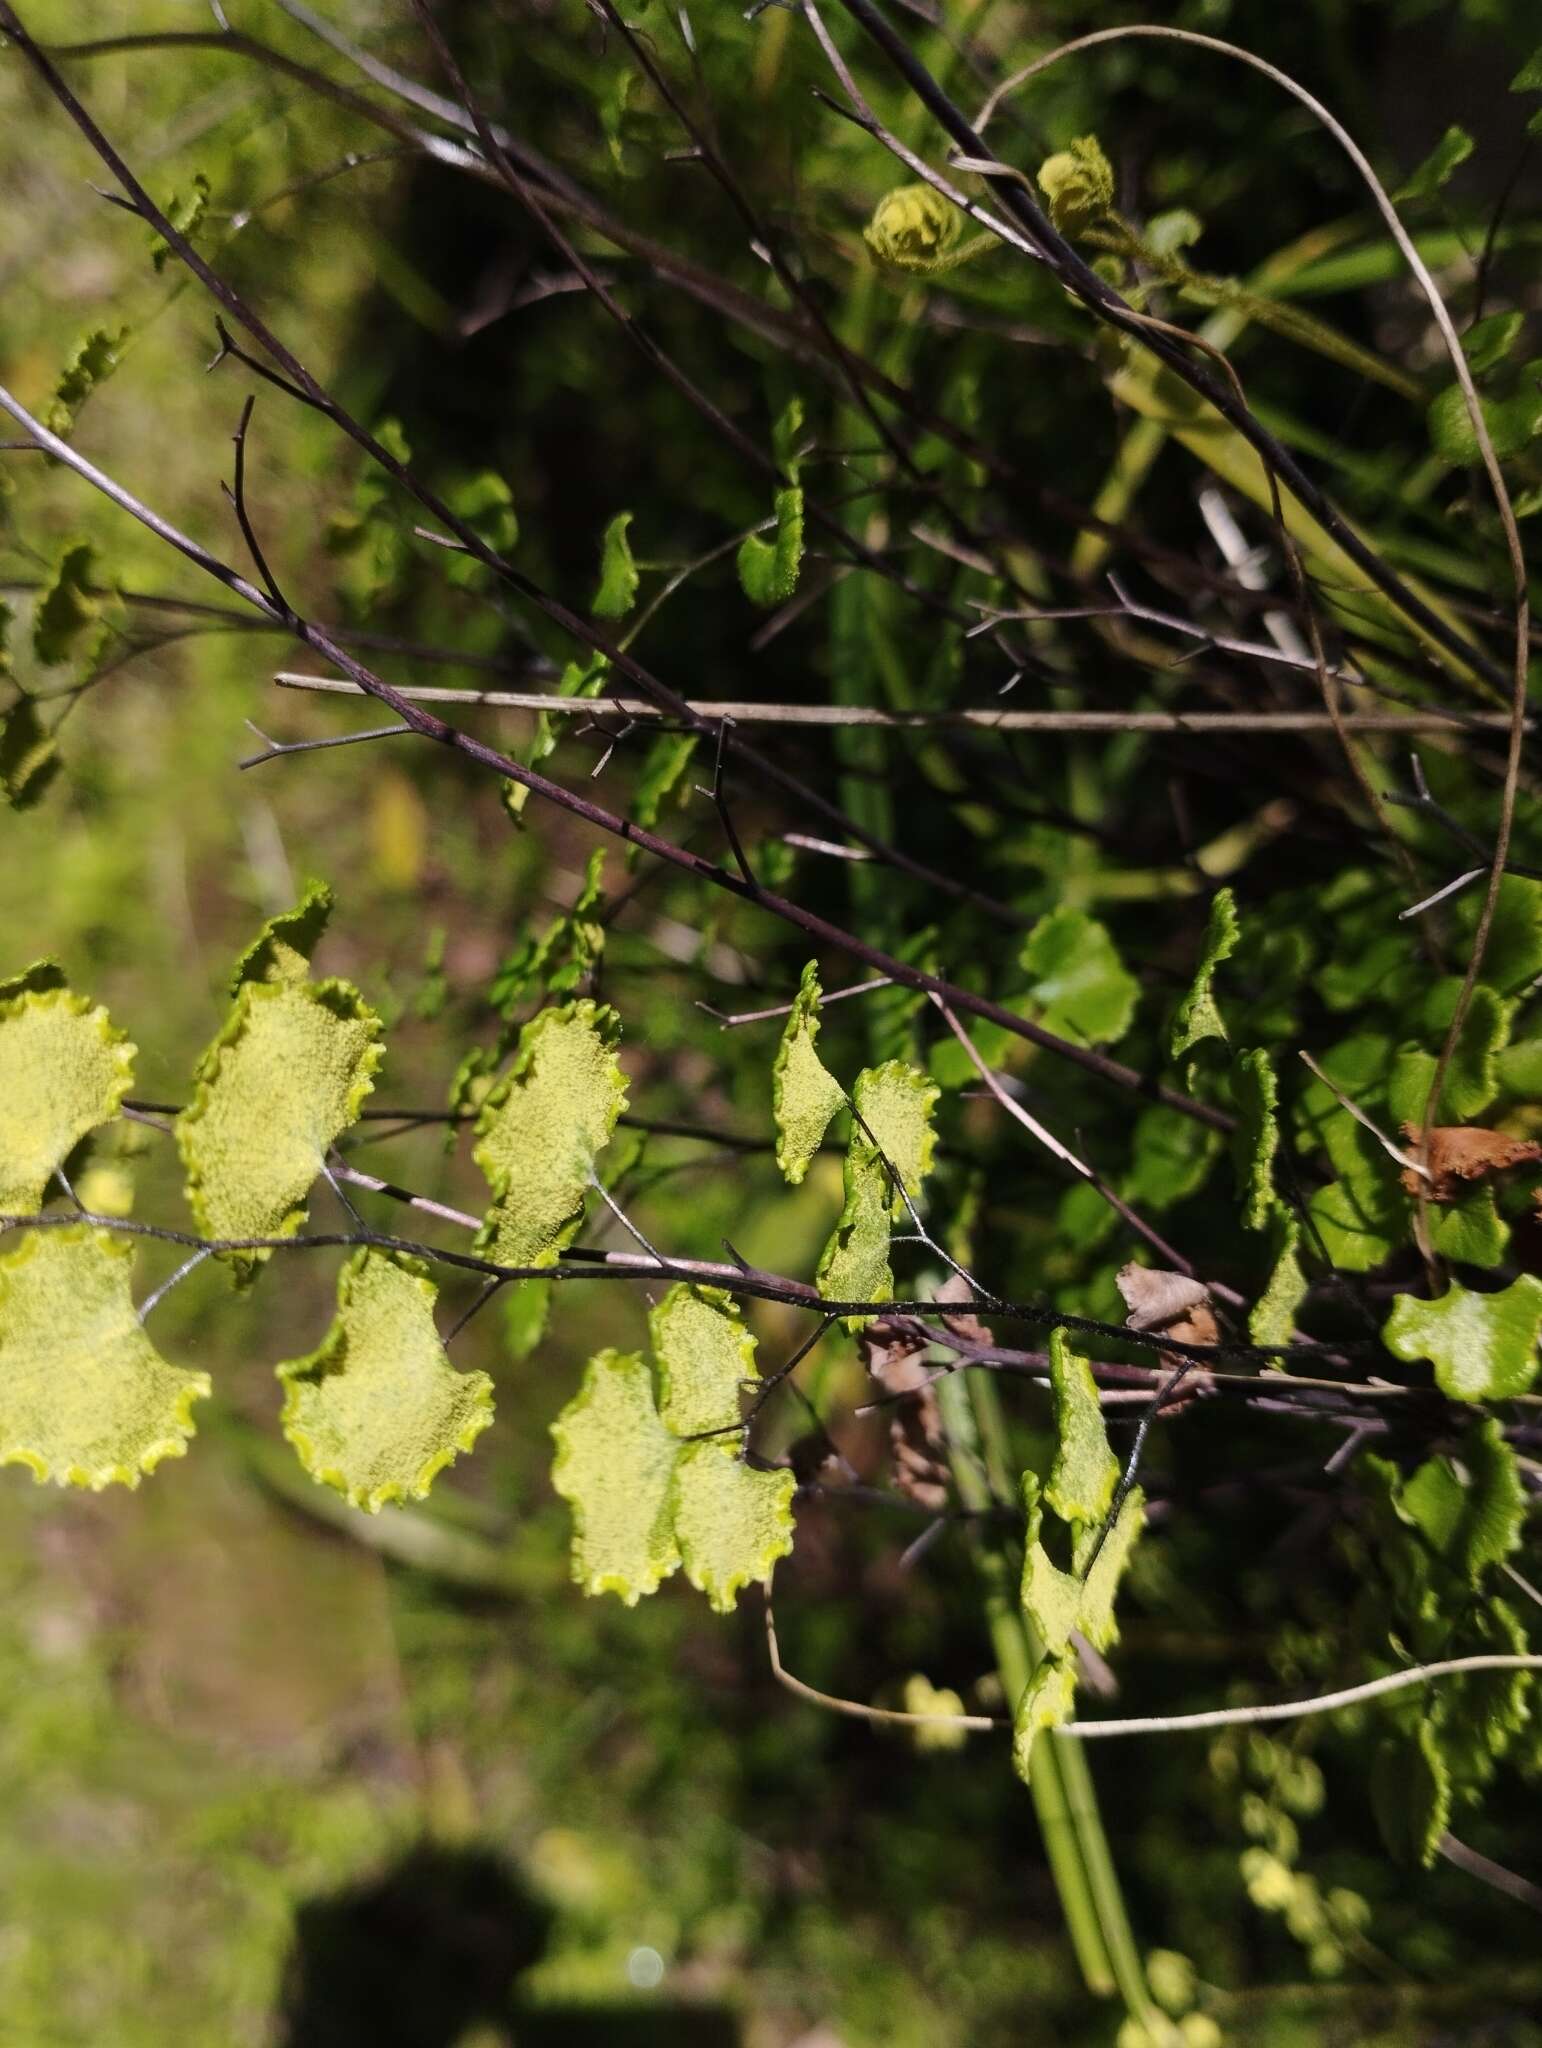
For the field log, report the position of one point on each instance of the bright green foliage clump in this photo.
(1077, 1595)
(1484, 1346)
(649, 1494)
(377, 1410)
(64, 1069)
(85, 1397)
(805, 1095)
(542, 1128)
(285, 1078)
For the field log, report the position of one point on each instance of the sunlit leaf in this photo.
(1047, 1700)
(615, 1463)
(805, 1095)
(1198, 1016)
(285, 1078)
(1468, 1508)
(895, 1103)
(617, 591)
(282, 950)
(64, 1069)
(732, 1521)
(85, 1397)
(854, 1265)
(541, 1129)
(1483, 1346)
(1081, 1483)
(1082, 988)
(1100, 1581)
(1257, 1135)
(377, 1410)
(1272, 1319)
(703, 1353)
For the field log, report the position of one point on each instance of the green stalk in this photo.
(1059, 1779)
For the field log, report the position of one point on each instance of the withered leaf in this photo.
(1460, 1153)
(1173, 1303)
(892, 1353)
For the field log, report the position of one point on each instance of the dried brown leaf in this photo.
(1173, 1303)
(892, 1353)
(1460, 1153)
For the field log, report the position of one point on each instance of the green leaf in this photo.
(526, 1306)
(732, 1521)
(1453, 148)
(1081, 986)
(1171, 232)
(1078, 183)
(1198, 1016)
(664, 764)
(65, 607)
(486, 504)
(1081, 1482)
(541, 1129)
(768, 570)
(1469, 1509)
(1051, 1598)
(1512, 959)
(29, 756)
(377, 1410)
(64, 1069)
(615, 1467)
(1513, 423)
(286, 1077)
(1273, 1317)
(1529, 77)
(281, 951)
(1411, 1796)
(804, 1093)
(1360, 1222)
(85, 1397)
(618, 573)
(1471, 1232)
(185, 212)
(96, 357)
(1095, 1616)
(1489, 341)
(645, 1497)
(1257, 1135)
(895, 1102)
(703, 1353)
(1046, 1701)
(1171, 1158)
(1483, 1346)
(1472, 1078)
(854, 1265)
